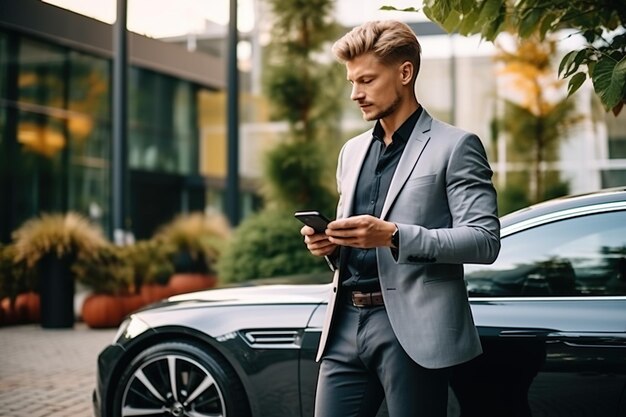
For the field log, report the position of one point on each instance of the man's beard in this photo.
(388, 111)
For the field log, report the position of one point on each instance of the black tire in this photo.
(204, 384)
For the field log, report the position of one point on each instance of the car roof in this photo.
(609, 195)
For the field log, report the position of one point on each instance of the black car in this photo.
(551, 313)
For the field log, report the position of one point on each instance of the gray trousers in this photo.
(364, 364)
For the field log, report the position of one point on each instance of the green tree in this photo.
(536, 115)
(303, 87)
(601, 22)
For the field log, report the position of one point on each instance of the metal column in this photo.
(232, 179)
(119, 121)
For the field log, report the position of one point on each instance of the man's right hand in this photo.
(317, 243)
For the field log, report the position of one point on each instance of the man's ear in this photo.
(406, 72)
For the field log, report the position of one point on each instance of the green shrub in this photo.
(512, 197)
(195, 241)
(558, 189)
(267, 244)
(150, 261)
(15, 276)
(107, 271)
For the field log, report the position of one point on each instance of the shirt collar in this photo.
(404, 131)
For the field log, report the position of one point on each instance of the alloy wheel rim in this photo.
(172, 385)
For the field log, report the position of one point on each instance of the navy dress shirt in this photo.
(361, 272)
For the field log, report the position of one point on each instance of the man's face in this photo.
(375, 87)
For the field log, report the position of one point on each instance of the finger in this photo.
(351, 241)
(323, 251)
(346, 233)
(341, 224)
(343, 241)
(351, 222)
(315, 238)
(323, 248)
(307, 231)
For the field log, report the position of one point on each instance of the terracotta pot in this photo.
(154, 292)
(28, 307)
(103, 311)
(10, 316)
(181, 283)
(132, 303)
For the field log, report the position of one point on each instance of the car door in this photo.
(551, 313)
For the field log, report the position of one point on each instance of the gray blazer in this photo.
(444, 204)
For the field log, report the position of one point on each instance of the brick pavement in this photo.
(49, 373)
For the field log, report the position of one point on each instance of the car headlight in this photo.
(130, 328)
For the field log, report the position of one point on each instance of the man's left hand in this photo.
(363, 232)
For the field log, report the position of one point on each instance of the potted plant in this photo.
(50, 244)
(20, 301)
(108, 273)
(152, 268)
(8, 287)
(195, 241)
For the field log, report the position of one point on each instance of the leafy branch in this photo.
(600, 21)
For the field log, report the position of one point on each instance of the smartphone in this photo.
(314, 219)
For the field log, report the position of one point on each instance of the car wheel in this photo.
(179, 379)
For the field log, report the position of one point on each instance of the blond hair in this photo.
(390, 41)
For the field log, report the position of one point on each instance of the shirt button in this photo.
(372, 202)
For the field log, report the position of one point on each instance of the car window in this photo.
(582, 256)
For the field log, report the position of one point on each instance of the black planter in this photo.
(56, 289)
(185, 263)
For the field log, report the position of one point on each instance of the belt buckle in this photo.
(365, 296)
(367, 299)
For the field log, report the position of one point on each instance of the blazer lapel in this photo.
(352, 169)
(414, 147)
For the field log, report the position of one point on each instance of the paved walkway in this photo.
(49, 373)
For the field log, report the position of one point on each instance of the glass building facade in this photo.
(55, 124)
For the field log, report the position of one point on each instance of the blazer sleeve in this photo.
(474, 235)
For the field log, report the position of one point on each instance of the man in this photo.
(416, 202)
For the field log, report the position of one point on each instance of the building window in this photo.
(617, 146)
(616, 127)
(89, 132)
(613, 178)
(162, 123)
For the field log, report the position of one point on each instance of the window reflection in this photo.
(59, 136)
(40, 134)
(162, 123)
(583, 256)
(41, 76)
(89, 131)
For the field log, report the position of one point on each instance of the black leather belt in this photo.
(367, 299)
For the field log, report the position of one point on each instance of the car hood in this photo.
(252, 295)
